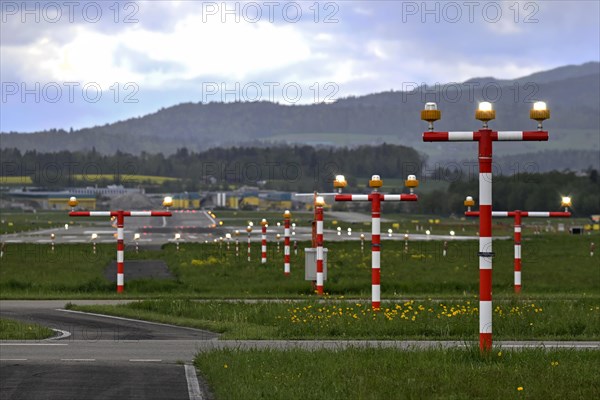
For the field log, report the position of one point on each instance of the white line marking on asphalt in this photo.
(126, 319)
(33, 344)
(192, 383)
(13, 359)
(63, 334)
(144, 360)
(77, 359)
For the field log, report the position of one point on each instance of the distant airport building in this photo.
(186, 200)
(57, 200)
(110, 191)
(51, 200)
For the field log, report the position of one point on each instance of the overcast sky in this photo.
(78, 64)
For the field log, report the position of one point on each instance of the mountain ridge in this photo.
(572, 93)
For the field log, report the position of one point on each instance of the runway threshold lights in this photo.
(375, 182)
(167, 202)
(485, 137)
(566, 202)
(485, 112)
(340, 183)
(539, 112)
(73, 202)
(469, 202)
(411, 183)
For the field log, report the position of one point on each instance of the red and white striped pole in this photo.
(319, 203)
(375, 198)
(485, 137)
(263, 249)
(249, 230)
(120, 215)
(517, 215)
(286, 242)
(517, 240)
(485, 240)
(120, 252)
(375, 248)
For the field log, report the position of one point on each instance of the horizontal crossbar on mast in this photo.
(503, 136)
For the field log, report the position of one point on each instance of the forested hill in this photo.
(572, 92)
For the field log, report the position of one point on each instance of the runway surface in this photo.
(92, 380)
(97, 357)
(193, 225)
(103, 357)
(197, 226)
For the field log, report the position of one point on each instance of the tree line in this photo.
(305, 169)
(291, 168)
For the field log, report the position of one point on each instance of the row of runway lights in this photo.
(468, 202)
(484, 137)
(566, 201)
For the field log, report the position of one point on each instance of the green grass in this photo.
(553, 265)
(394, 374)
(12, 222)
(15, 330)
(35, 271)
(331, 319)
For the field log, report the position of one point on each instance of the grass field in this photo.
(12, 222)
(35, 271)
(399, 223)
(392, 374)
(553, 265)
(518, 319)
(15, 330)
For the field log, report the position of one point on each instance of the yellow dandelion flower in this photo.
(520, 388)
(225, 366)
